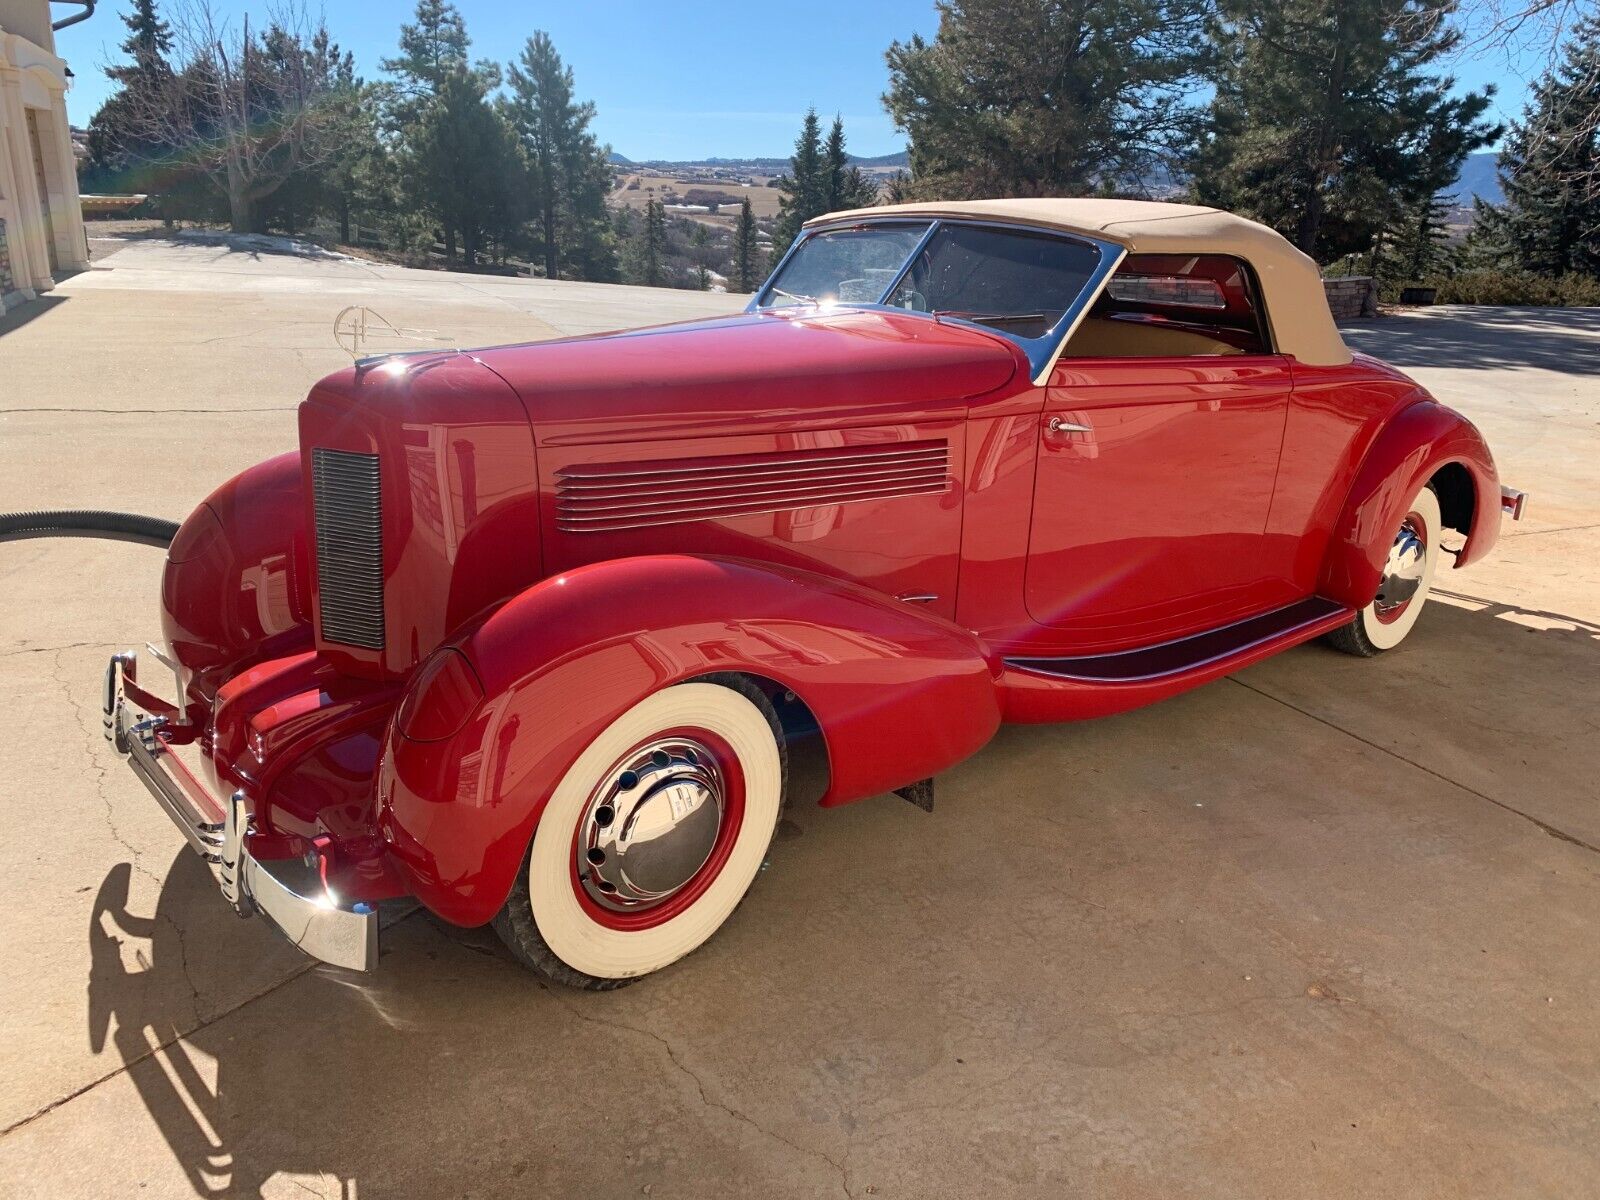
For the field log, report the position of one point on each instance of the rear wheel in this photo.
(1407, 579)
(652, 838)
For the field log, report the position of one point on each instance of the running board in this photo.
(1185, 656)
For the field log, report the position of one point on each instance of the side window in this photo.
(1013, 281)
(1169, 305)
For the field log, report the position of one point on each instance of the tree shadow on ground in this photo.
(1552, 339)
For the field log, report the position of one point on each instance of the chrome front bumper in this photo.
(289, 893)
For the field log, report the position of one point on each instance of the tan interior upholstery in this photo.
(1104, 338)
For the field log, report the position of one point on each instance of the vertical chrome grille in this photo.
(348, 499)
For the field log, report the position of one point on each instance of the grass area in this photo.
(673, 188)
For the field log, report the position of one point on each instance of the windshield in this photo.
(1017, 282)
(847, 266)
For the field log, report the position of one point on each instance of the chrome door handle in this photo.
(1057, 425)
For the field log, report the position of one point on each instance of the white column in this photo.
(61, 181)
(24, 233)
(8, 209)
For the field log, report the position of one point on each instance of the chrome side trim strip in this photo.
(784, 462)
(1191, 653)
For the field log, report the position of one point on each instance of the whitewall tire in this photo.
(1408, 571)
(652, 837)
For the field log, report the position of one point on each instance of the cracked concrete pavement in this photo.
(1326, 928)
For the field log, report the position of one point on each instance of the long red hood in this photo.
(710, 375)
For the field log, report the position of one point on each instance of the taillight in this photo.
(442, 698)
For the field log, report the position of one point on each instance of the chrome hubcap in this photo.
(650, 825)
(1402, 573)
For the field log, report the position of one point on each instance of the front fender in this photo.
(899, 695)
(236, 588)
(1416, 443)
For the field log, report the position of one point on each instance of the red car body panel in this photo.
(812, 370)
(869, 509)
(564, 659)
(237, 586)
(1146, 568)
(456, 454)
(1416, 443)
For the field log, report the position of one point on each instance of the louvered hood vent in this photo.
(605, 497)
(348, 498)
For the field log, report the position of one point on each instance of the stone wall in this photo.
(7, 283)
(1352, 296)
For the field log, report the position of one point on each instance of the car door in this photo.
(1152, 487)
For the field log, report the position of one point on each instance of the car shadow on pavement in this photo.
(1537, 619)
(136, 1011)
(281, 1081)
(322, 1075)
(1554, 339)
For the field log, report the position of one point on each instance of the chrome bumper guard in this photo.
(1513, 502)
(289, 893)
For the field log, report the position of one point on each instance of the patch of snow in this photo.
(261, 243)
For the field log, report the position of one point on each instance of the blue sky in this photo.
(677, 81)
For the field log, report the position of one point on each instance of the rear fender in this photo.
(1416, 443)
(898, 693)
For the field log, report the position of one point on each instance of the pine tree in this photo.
(744, 249)
(432, 49)
(1326, 123)
(570, 169)
(651, 247)
(438, 94)
(329, 186)
(700, 250)
(149, 39)
(1421, 243)
(1047, 98)
(1550, 170)
(120, 157)
(805, 187)
(463, 166)
(848, 187)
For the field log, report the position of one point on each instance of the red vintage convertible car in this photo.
(532, 633)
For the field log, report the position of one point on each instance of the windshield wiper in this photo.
(1000, 322)
(967, 314)
(801, 297)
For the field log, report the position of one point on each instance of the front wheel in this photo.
(1407, 579)
(652, 838)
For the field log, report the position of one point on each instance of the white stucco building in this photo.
(41, 224)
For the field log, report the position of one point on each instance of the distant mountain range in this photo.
(1478, 177)
(759, 165)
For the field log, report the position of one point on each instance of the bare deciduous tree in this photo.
(1530, 36)
(247, 109)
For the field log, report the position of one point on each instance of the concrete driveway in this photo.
(1325, 929)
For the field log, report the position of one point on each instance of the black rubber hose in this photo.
(122, 527)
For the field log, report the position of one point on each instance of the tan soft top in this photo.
(1297, 307)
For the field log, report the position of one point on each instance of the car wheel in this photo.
(652, 838)
(1407, 579)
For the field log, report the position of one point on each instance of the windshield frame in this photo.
(1042, 352)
